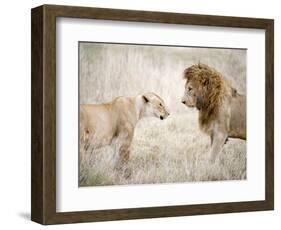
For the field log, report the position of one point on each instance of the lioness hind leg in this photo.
(82, 145)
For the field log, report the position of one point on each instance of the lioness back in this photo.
(98, 121)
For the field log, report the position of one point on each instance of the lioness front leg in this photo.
(124, 141)
(217, 142)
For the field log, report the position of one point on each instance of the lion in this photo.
(114, 122)
(222, 110)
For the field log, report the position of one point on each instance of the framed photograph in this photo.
(140, 114)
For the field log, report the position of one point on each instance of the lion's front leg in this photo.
(217, 142)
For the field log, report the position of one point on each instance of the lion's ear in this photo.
(145, 98)
(199, 103)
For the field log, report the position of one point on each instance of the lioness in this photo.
(222, 110)
(101, 124)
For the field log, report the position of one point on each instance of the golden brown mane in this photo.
(210, 88)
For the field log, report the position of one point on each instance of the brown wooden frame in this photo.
(43, 160)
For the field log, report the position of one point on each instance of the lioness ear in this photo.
(199, 103)
(145, 98)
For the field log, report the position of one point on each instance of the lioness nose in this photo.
(183, 102)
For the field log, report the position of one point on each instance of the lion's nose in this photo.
(183, 102)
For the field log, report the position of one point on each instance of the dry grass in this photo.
(165, 152)
(173, 150)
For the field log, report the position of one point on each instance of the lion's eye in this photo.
(160, 104)
(189, 88)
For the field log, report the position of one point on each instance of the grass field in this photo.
(165, 152)
(173, 150)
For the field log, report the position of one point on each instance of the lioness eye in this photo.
(189, 88)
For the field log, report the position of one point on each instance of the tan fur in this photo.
(114, 122)
(222, 111)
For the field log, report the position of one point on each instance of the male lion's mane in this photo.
(211, 89)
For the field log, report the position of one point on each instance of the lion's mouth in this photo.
(190, 106)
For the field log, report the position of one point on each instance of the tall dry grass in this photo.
(173, 150)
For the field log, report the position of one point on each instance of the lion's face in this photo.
(190, 95)
(154, 106)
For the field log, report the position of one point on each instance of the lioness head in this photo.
(154, 106)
